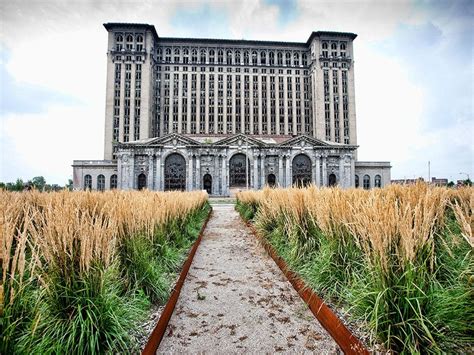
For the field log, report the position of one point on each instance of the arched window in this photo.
(271, 57)
(343, 46)
(366, 182)
(334, 49)
(141, 183)
(168, 51)
(288, 58)
(119, 38)
(113, 181)
(168, 55)
(139, 43)
(203, 56)
(263, 58)
(357, 181)
(129, 44)
(280, 58)
(101, 182)
(254, 57)
(87, 182)
(176, 55)
(296, 59)
(212, 55)
(237, 169)
(301, 170)
(186, 56)
(229, 57)
(237, 57)
(325, 50)
(175, 172)
(332, 180)
(194, 55)
(246, 58)
(378, 181)
(220, 56)
(305, 59)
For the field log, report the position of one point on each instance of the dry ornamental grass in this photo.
(399, 258)
(70, 249)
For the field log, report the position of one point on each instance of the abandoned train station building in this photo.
(218, 114)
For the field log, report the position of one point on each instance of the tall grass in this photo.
(399, 258)
(79, 270)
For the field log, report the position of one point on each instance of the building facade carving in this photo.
(186, 114)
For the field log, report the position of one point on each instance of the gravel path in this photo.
(235, 299)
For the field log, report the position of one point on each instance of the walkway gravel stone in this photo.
(235, 299)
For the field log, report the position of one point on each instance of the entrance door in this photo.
(301, 171)
(175, 172)
(237, 170)
(271, 179)
(141, 181)
(207, 183)
(332, 180)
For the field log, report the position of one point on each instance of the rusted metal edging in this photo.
(328, 319)
(160, 328)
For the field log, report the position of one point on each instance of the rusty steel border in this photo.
(348, 342)
(157, 335)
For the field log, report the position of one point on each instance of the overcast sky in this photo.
(413, 74)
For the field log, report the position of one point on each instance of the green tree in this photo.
(38, 183)
(69, 185)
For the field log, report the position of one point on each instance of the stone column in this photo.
(158, 175)
(162, 173)
(317, 171)
(150, 171)
(190, 172)
(342, 179)
(280, 171)
(198, 172)
(255, 171)
(131, 178)
(216, 185)
(224, 175)
(262, 171)
(353, 172)
(325, 175)
(288, 176)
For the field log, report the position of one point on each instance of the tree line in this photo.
(38, 183)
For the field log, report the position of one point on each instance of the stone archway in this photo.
(207, 183)
(237, 169)
(332, 181)
(175, 172)
(301, 166)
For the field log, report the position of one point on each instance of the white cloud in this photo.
(62, 46)
(47, 143)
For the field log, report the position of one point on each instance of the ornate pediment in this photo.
(305, 141)
(240, 140)
(173, 139)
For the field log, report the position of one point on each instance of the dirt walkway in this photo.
(235, 299)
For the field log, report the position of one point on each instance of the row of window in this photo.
(177, 68)
(232, 57)
(129, 42)
(100, 182)
(366, 182)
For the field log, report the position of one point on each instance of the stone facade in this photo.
(183, 113)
